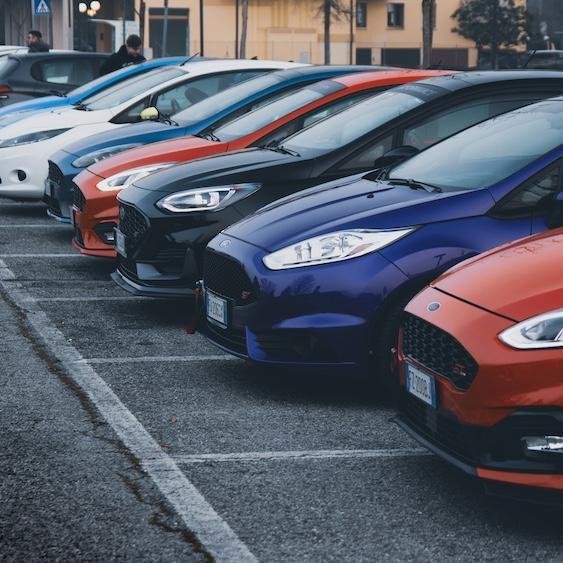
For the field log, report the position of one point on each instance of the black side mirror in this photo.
(555, 216)
(394, 156)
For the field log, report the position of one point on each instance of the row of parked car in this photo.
(337, 217)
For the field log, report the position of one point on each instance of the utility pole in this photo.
(141, 12)
(123, 18)
(201, 27)
(327, 6)
(352, 14)
(237, 8)
(165, 28)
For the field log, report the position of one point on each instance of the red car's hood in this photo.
(177, 150)
(516, 280)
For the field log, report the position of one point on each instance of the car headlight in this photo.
(206, 199)
(96, 156)
(542, 331)
(122, 180)
(333, 247)
(31, 138)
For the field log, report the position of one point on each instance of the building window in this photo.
(362, 14)
(395, 15)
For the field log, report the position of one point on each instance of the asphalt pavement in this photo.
(122, 437)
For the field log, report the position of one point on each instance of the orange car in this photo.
(95, 204)
(481, 357)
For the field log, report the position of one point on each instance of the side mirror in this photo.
(555, 216)
(394, 156)
(150, 114)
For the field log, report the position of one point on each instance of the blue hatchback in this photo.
(12, 112)
(200, 119)
(322, 277)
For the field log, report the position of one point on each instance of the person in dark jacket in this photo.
(128, 54)
(35, 42)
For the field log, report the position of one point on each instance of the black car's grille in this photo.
(78, 199)
(226, 277)
(438, 351)
(55, 173)
(232, 339)
(132, 223)
(128, 267)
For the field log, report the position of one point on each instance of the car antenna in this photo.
(189, 58)
(525, 65)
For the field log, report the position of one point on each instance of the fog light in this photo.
(549, 444)
(106, 231)
(109, 237)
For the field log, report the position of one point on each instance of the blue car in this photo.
(210, 113)
(13, 112)
(322, 277)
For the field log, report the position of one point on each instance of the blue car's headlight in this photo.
(96, 156)
(31, 138)
(542, 331)
(122, 180)
(333, 247)
(206, 199)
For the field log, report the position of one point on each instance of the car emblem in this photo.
(225, 243)
(434, 306)
(459, 369)
(245, 295)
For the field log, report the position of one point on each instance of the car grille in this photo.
(232, 339)
(226, 277)
(132, 223)
(128, 267)
(55, 173)
(78, 199)
(438, 351)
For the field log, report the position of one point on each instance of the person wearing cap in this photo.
(128, 54)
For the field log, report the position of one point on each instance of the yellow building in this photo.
(382, 32)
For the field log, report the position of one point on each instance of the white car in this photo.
(25, 146)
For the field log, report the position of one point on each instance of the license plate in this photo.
(216, 309)
(421, 385)
(120, 245)
(48, 188)
(72, 219)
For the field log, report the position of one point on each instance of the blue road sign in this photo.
(41, 7)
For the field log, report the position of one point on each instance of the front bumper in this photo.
(23, 171)
(317, 316)
(479, 424)
(59, 186)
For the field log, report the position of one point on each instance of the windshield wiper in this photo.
(415, 185)
(281, 149)
(168, 120)
(82, 107)
(210, 136)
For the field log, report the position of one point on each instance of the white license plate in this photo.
(421, 385)
(120, 245)
(216, 309)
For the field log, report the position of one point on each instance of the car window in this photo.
(120, 93)
(488, 152)
(533, 195)
(63, 71)
(131, 115)
(7, 65)
(367, 156)
(106, 81)
(452, 120)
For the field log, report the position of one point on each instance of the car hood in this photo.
(132, 133)
(248, 165)
(353, 203)
(516, 280)
(31, 105)
(177, 150)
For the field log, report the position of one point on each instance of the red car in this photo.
(481, 356)
(95, 203)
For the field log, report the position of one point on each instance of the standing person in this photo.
(128, 54)
(35, 42)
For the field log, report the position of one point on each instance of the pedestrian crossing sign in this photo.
(42, 7)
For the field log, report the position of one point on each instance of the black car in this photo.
(29, 75)
(167, 219)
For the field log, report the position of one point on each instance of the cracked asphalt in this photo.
(300, 467)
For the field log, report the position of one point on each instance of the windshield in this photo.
(112, 79)
(132, 87)
(221, 101)
(273, 111)
(488, 152)
(351, 123)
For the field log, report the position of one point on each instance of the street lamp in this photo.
(95, 5)
(82, 7)
(91, 13)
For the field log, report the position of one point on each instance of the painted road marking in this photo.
(51, 255)
(198, 515)
(148, 359)
(301, 455)
(36, 226)
(95, 299)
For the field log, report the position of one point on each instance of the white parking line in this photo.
(23, 204)
(94, 299)
(159, 359)
(301, 455)
(47, 255)
(36, 226)
(198, 515)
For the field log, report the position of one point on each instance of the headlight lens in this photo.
(124, 179)
(31, 138)
(206, 199)
(96, 156)
(543, 331)
(333, 247)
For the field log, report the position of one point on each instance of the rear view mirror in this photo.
(394, 156)
(555, 216)
(150, 114)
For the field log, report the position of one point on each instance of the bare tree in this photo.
(427, 31)
(331, 9)
(244, 29)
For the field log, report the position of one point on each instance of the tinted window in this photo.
(7, 65)
(120, 93)
(64, 71)
(488, 152)
(117, 76)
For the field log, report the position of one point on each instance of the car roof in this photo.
(197, 66)
(52, 53)
(384, 75)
